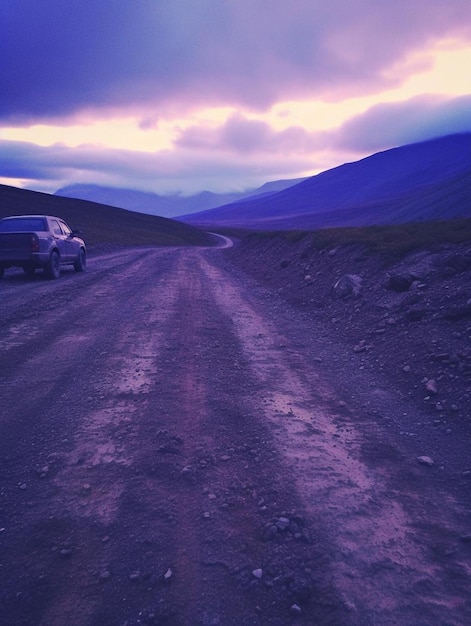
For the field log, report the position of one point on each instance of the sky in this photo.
(181, 96)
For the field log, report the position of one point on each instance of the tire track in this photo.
(377, 558)
(173, 416)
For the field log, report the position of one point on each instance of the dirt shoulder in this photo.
(183, 445)
(410, 321)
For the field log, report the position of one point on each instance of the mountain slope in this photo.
(428, 180)
(145, 202)
(101, 224)
(164, 206)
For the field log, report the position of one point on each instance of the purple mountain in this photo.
(424, 181)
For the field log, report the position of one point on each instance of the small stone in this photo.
(271, 532)
(105, 575)
(225, 457)
(282, 523)
(399, 283)
(65, 552)
(135, 576)
(257, 573)
(168, 575)
(425, 460)
(406, 368)
(42, 472)
(431, 386)
(347, 285)
(295, 609)
(207, 515)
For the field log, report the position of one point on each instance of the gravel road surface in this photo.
(179, 446)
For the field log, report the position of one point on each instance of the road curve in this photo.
(224, 242)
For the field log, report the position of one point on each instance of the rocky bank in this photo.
(409, 317)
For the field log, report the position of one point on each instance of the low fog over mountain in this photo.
(164, 206)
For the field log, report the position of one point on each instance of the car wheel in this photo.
(81, 263)
(53, 267)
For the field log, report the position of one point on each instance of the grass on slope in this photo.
(100, 224)
(390, 241)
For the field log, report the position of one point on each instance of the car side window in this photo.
(65, 229)
(56, 229)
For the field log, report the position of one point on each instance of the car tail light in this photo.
(34, 243)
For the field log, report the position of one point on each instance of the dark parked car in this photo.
(40, 242)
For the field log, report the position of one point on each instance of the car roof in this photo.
(12, 217)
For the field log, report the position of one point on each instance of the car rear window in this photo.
(23, 224)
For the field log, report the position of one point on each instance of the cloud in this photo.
(394, 124)
(64, 59)
(381, 127)
(186, 171)
(239, 154)
(246, 136)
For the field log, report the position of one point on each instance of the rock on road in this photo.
(179, 447)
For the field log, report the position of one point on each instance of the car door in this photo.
(73, 246)
(61, 240)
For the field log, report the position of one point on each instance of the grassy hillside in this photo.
(392, 242)
(102, 225)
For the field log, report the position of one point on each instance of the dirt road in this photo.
(180, 447)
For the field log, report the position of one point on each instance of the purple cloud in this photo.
(398, 123)
(61, 59)
(242, 135)
(163, 172)
(240, 154)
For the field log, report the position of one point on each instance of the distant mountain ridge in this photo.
(164, 206)
(423, 181)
